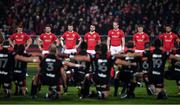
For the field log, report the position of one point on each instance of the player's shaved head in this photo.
(52, 49)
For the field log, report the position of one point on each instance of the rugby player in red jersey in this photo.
(46, 39)
(20, 37)
(116, 39)
(139, 39)
(69, 39)
(92, 38)
(168, 38)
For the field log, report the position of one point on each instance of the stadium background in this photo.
(35, 14)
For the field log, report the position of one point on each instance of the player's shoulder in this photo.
(110, 31)
(136, 34)
(96, 33)
(52, 34)
(23, 33)
(13, 35)
(87, 33)
(174, 34)
(145, 34)
(120, 30)
(75, 33)
(42, 34)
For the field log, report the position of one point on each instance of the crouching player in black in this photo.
(157, 59)
(101, 63)
(6, 67)
(50, 73)
(145, 66)
(19, 70)
(127, 73)
(174, 71)
(8, 64)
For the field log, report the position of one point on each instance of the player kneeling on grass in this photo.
(50, 73)
(19, 68)
(145, 66)
(127, 73)
(101, 63)
(158, 58)
(174, 71)
(8, 67)
(6, 60)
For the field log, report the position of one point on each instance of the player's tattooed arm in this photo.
(128, 54)
(27, 59)
(177, 58)
(71, 64)
(80, 58)
(124, 63)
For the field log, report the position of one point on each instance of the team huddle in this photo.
(89, 62)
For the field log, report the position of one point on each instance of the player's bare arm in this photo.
(79, 43)
(62, 42)
(11, 42)
(80, 58)
(39, 42)
(108, 43)
(29, 42)
(125, 63)
(27, 59)
(177, 58)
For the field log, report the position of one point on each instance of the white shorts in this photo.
(45, 52)
(116, 49)
(70, 51)
(139, 51)
(91, 51)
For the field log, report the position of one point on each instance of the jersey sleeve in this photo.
(122, 34)
(63, 36)
(85, 37)
(134, 37)
(41, 37)
(109, 33)
(98, 37)
(12, 37)
(175, 36)
(54, 37)
(27, 37)
(161, 37)
(78, 36)
(147, 38)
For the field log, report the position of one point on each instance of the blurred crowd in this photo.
(35, 14)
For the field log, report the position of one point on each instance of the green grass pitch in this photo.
(72, 98)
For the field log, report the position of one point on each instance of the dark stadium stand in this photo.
(34, 14)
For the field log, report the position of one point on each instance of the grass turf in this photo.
(72, 98)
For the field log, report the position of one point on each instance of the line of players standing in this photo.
(93, 62)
